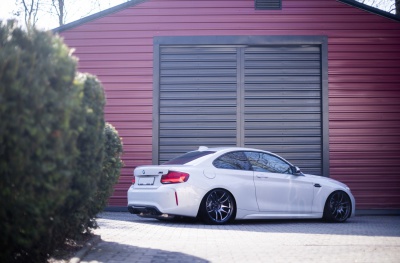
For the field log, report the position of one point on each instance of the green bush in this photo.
(106, 179)
(75, 216)
(111, 169)
(41, 120)
(52, 143)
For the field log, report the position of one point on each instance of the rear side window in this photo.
(188, 157)
(233, 161)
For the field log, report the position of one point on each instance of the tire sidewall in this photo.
(205, 217)
(327, 215)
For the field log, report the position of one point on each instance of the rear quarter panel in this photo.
(240, 184)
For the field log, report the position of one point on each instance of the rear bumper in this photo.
(150, 212)
(164, 201)
(144, 210)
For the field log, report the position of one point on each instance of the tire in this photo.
(218, 207)
(337, 207)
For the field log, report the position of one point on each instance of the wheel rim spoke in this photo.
(340, 206)
(219, 206)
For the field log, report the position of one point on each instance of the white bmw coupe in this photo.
(219, 185)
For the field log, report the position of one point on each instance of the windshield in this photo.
(188, 157)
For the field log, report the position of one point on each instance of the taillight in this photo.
(133, 180)
(173, 177)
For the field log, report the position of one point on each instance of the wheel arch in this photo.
(321, 196)
(325, 205)
(218, 188)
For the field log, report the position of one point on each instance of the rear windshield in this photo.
(188, 157)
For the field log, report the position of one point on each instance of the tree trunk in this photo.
(59, 7)
(30, 11)
(61, 13)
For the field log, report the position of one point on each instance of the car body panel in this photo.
(257, 194)
(284, 193)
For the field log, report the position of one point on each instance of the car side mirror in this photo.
(297, 171)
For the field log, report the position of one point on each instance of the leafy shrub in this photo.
(52, 144)
(41, 119)
(111, 169)
(75, 214)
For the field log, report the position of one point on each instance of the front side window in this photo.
(263, 162)
(233, 161)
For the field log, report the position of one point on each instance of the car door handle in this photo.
(261, 176)
(317, 185)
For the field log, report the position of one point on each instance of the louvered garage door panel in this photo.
(282, 103)
(197, 98)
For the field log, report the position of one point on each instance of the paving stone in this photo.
(128, 238)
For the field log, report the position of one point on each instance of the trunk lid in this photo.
(149, 176)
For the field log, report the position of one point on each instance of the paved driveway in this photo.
(128, 238)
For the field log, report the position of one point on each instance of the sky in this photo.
(47, 21)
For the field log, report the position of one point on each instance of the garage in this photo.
(317, 82)
(263, 92)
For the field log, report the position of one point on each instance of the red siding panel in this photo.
(364, 83)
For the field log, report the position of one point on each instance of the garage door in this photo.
(261, 96)
(197, 99)
(282, 103)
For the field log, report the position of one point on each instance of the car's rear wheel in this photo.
(218, 207)
(337, 207)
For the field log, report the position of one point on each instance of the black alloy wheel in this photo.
(218, 207)
(337, 207)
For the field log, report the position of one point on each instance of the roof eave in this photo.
(136, 2)
(371, 9)
(97, 15)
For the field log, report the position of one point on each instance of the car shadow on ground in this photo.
(374, 225)
(128, 253)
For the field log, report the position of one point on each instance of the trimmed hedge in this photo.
(73, 217)
(54, 146)
(111, 169)
(90, 144)
(40, 123)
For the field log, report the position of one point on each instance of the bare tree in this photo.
(62, 10)
(59, 7)
(29, 8)
(385, 5)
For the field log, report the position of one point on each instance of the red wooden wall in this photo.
(364, 79)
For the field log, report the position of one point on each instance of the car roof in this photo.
(227, 149)
(222, 150)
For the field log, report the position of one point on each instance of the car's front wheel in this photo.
(337, 207)
(218, 207)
